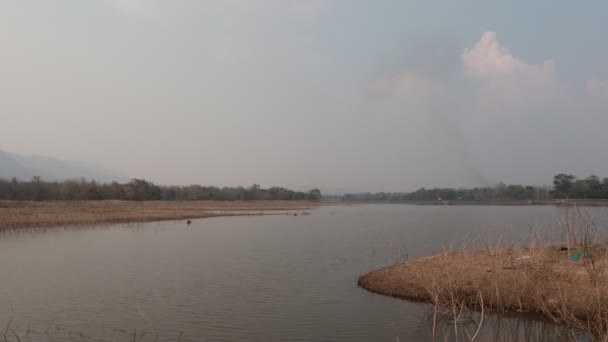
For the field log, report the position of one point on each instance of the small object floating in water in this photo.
(577, 256)
(296, 214)
(188, 221)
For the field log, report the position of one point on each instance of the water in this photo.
(256, 278)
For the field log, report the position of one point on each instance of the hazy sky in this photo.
(358, 95)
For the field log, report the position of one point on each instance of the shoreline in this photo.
(26, 214)
(543, 281)
(557, 203)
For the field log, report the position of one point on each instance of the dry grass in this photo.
(535, 276)
(15, 214)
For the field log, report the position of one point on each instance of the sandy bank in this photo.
(543, 280)
(14, 214)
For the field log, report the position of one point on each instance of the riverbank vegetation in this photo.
(564, 278)
(37, 189)
(24, 214)
(564, 186)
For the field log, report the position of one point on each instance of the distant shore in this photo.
(553, 202)
(26, 214)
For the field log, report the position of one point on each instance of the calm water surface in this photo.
(258, 278)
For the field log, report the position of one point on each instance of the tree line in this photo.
(564, 186)
(38, 189)
(568, 186)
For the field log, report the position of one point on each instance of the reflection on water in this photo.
(497, 327)
(263, 278)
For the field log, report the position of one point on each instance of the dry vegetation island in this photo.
(565, 282)
(24, 214)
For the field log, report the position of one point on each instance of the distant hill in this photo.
(26, 167)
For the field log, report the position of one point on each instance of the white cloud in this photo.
(597, 87)
(508, 83)
(503, 83)
(596, 95)
(489, 60)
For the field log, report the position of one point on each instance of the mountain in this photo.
(26, 167)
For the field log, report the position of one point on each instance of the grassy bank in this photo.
(537, 276)
(17, 214)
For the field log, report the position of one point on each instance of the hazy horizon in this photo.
(354, 95)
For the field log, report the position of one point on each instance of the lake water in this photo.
(256, 278)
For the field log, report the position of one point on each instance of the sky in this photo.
(343, 95)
